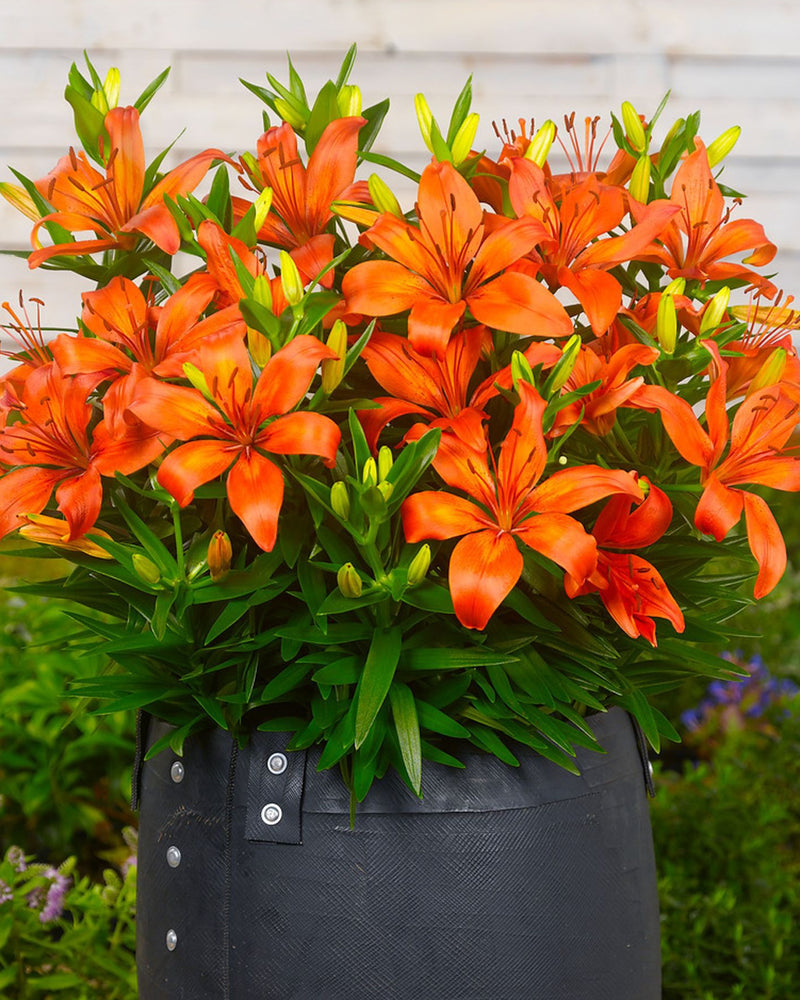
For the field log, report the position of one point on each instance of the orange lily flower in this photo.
(218, 245)
(755, 444)
(53, 448)
(237, 424)
(700, 235)
(302, 195)
(116, 207)
(630, 587)
(34, 351)
(571, 254)
(509, 505)
(447, 264)
(425, 385)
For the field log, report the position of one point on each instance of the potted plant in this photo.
(376, 511)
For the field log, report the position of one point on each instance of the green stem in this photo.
(176, 521)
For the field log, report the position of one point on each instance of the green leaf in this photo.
(437, 721)
(439, 658)
(379, 668)
(387, 161)
(460, 110)
(150, 91)
(491, 743)
(406, 723)
(346, 67)
(89, 123)
(344, 670)
(219, 197)
(284, 682)
(360, 447)
(374, 115)
(439, 756)
(429, 596)
(336, 603)
(325, 110)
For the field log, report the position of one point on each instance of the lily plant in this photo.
(400, 482)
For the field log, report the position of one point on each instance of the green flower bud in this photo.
(715, 311)
(333, 368)
(385, 462)
(220, 554)
(539, 147)
(19, 198)
(639, 186)
(290, 280)
(666, 323)
(419, 566)
(146, 569)
(198, 379)
(348, 101)
(262, 291)
(464, 138)
(565, 365)
(350, 583)
(385, 489)
(369, 474)
(770, 372)
(425, 119)
(290, 114)
(111, 87)
(634, 128)
(676, 287)
(383, 197)
(723, 144)
(263, 204)
(259, 346)
(521, 370)
(340, 500)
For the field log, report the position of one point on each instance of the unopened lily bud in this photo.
(385, 462)
(566, 364)
(348, 101)
(262, 291)
(419, 566)
(146, 569)
(539, 146)
(464, 138)
(369, 474)
(383, 197)
(263, 204)
(19, 198)
(667, 324)
(198, 379)
(289, 114)
(425, 119)
(676, 126)
(634, 128)
(715, 310)
(521, 370)
(676, 287)
(350, 583)
(340, 500)
(291, 280)
(770, 372)
(385, 489)
(111, 87)
(251, 164)
(259, 346)
(220, 553)
(639, 186)
(723, 144)
(333, 368)
(99, 101)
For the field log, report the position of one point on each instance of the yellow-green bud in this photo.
(262, 291)
(770, 372)
(369, 474)
(667, 324)
(385, 489)
(425, 119)
(673, 131)
(259, 346)
(639, 186)
(291, 280)
(521, 370)
(19, 198)
(676, 287)
(385, 462)
(715, 311)
(464, 138)
(333, 368)
(111, 87)
(251, 163)
(348, 101)
(539, 147)
(566, 363)
(220, 554)
(99, 101)
(146, 569)
(383, 197)
(634, 128)
(198, 379)
(262, 205)
(419, 566)
(340, 500)
(723, 144)
(350, 583)
(290, 114)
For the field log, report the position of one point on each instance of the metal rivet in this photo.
(173, 857)
(172, 940)
(271, 814)
(177, 771)
(277, 763)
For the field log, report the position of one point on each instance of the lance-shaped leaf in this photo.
(379, 670)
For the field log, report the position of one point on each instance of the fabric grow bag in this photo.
(503, 883)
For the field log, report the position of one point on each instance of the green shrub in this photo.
(727, 833)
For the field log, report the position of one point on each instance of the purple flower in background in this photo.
(16, 858)
(6, 895)
(54, 901)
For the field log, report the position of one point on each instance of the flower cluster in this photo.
(457, 447)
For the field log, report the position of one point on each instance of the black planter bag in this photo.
(503, 883)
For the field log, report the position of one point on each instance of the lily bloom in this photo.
(571, 253)
(115, 207)
(509, 506)
(236, 425)
(218, 246)
(699, 237)
(755, 443)
(447, 264)
(630, 587)
(302, 195)
(51, 447)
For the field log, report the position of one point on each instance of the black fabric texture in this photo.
(500, 884)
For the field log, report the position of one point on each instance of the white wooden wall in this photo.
(737, 61)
